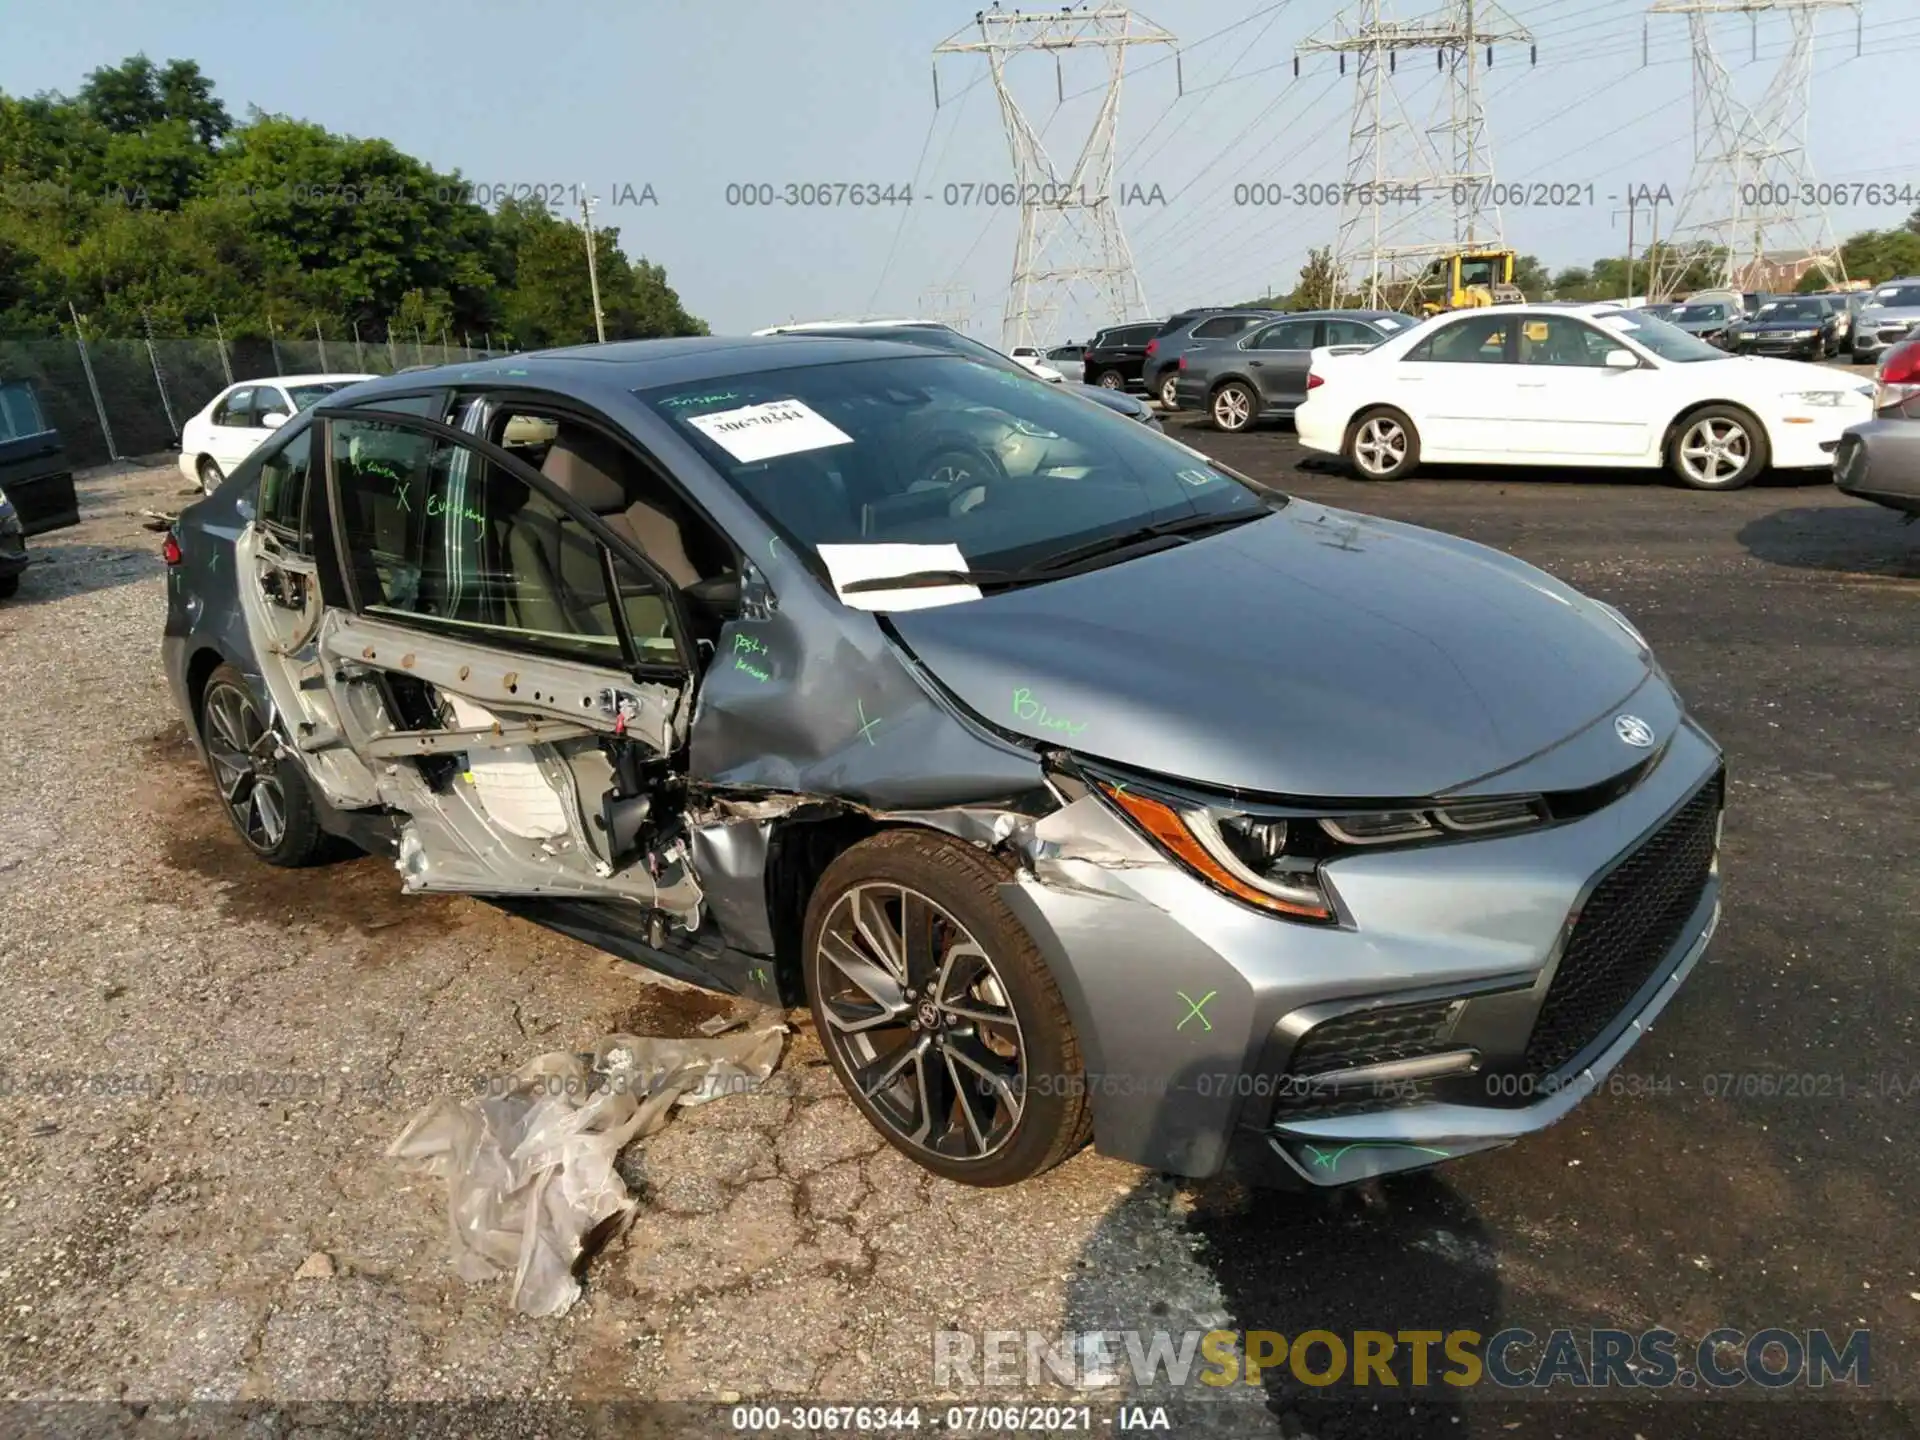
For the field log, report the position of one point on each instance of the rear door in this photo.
(235, 435)
(1277, 359)
(483, 664)
(1459, 386)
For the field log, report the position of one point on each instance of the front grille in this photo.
(1373, 1037)
(1627, 927)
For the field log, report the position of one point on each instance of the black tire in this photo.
(1703, 439)
(1052, 1119)
(9, 586)
(1110, 380)
(1382, 444)
(228, 714)
(1169, 396)
(1819, 352)
(210, 477)
(1233, 407)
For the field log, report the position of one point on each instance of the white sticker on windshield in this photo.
(762, 432)
(847, 564)
(1386, 324)
(1616, 322)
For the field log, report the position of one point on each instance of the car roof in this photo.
(333, 379)
(643, 364)
(801, 325)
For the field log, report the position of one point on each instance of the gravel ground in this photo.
(202, 1210)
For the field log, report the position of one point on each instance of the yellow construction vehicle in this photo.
(1469, 279)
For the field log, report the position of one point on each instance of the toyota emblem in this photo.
(1632, 729)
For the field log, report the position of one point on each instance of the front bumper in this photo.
(1195, 1012)
(1779, 345)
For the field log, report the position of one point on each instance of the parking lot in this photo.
(207, 1057)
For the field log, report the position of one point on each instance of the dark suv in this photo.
(1114, 358)
(1183, 332)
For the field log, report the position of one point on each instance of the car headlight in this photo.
(1815, 397)
(1800, 334)
(1275, 862)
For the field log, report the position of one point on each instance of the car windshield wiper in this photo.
(1059, 564)
(1141, 535)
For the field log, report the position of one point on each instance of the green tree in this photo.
(551, 302)
(135, 97)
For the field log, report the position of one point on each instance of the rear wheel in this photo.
(1111, 380)
(265, 798)
(1717, 448)
(210, 476)
(1383, 445)
(1234, 406)
(1168, 395)
(938, 1013)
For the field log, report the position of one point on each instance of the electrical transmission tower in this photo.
(1415, 189)
(1751, 173)
(1070, 240)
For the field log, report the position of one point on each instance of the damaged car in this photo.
(1082, 788)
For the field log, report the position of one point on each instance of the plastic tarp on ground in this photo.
(529, 1159)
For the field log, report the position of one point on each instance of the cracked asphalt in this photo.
(205, 1059)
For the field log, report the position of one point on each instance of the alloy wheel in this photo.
(1381, 446)
(1715, 450)
(240, 749)
(1231, 409)
(1111, 380)
(1167, 396)
(921, 1022)
(210, 476)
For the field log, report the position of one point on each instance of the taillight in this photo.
(1314, 382)
(1902, 365)
(170, 549)
(1181, 363)
(1152, 345)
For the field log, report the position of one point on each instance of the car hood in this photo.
(1314, 653)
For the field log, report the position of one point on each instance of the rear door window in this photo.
(236, 409)
(19, 412)
(1221, 326)
(1481, 340)
(283, 488)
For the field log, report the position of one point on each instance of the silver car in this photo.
(1886, 318)
(1095, 794)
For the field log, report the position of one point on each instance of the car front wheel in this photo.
(265, 797)
(210, 476)
(1383, 445)
(938, 1013)
(1717, 448)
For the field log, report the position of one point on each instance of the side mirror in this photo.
(1622, 360)
(272, 422)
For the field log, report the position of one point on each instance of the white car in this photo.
(1574, 385)
(1030, 357)
(236, 420)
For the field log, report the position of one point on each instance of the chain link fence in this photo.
(113, 398)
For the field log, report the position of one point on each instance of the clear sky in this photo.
(691, 96)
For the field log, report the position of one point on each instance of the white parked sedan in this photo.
(1574, 385)
(236, 420)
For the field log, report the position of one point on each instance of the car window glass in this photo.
(432, 406)
(1288, 335)
(939, 451)
(268, 400)
(236, 409)
(283, 485)
(1351, 332)
(19, 412)
(1480, 340)
(305, 397)
(1562, 340)
(1219, 327)
(433, 532)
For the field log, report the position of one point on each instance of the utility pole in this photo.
(593, 266)
(1070, 246)
(1415, 189)
(1750, 163)
(1633, 209)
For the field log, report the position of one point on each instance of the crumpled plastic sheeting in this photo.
(529, 1161)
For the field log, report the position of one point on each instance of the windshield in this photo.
(933, 337)
(1658, 336)
(1792, 310)
(305, 397)
(940, 451)
(1898, 297)
(1715, 311)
